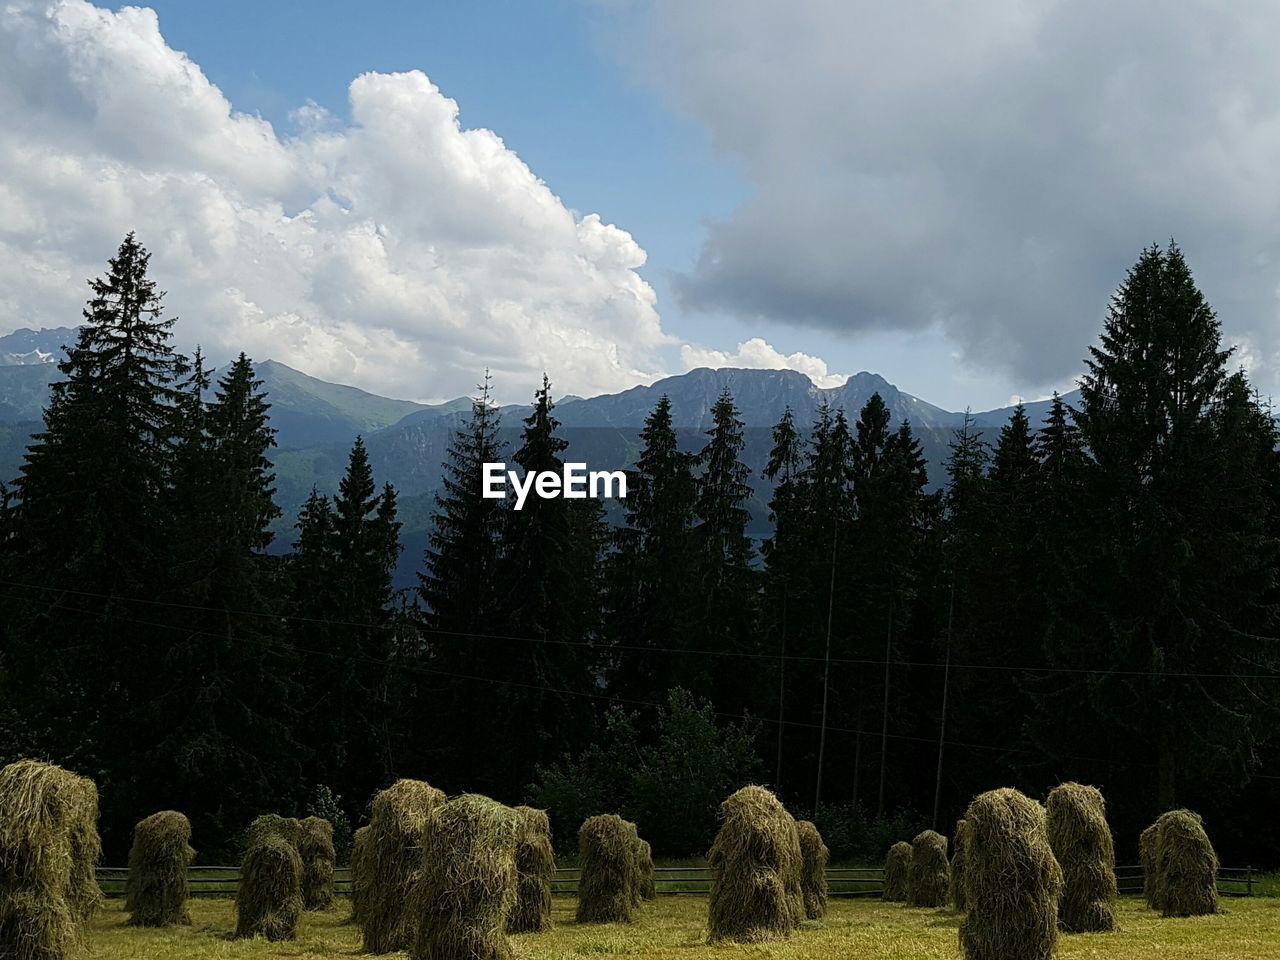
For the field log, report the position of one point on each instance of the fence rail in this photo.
(843, 881)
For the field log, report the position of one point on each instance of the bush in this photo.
(853, 837)
(671, 787)
(326, 805)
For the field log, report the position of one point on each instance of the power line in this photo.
(289, 648)
(638, 648)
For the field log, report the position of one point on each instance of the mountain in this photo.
(316, 422)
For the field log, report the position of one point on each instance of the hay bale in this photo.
(1186, 868)
(1012, 881)
(359, 872)
(273, 825)
(897, 869)
(398, 827)
(315, 849)
(535, 869)
(1147, 857)
(929, 878)
(958, 851)
(467, 883)
(269, 896)
(157, 888)
(607, 882)
(48, 848)
(756, 867)
(1076, 818)
(646, 871)
(633, 875)
(86, 851)
(813, 871)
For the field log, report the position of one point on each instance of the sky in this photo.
(399, 195)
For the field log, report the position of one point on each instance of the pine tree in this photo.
(458, 584)
(1178, 582)
(93, 530)
(227, 710)
(725, 604)
(649, 572)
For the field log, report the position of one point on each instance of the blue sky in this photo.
(544, 78)
(945, 195)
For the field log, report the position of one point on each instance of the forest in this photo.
(1090, 598)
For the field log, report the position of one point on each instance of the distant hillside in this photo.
(316, 422)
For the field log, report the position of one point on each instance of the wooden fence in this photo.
(844, 881)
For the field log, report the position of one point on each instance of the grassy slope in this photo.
(675, 927)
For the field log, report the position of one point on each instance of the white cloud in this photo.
(400, 252)
(756, 354)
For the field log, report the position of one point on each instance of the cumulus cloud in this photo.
(756, 354)
(991, 168)
(399, 251)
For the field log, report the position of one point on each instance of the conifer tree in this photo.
(226, 713)
(724, 609)
(1177, 586)
(649, 573)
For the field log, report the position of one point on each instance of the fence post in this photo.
(1248, 880)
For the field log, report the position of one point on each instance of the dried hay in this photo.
(813, 872)
(398, 827)
(607, 882)
(315, 849)
(269, 896)
(958, 851)
(756, 868)
(467, 883)
(646, 871)
(1013, 883)
(1147, 857)
(1186, 871)
(535, 869)
(48, 849)
(359, 872)
(157, 887)
(1076, 818)
(897, 870)
(929, 878)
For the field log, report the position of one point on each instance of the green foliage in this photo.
(853, 836)
(671, 786)
(328, 806)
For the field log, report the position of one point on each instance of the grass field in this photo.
(675, 927)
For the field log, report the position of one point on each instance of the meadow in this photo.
(676, 927)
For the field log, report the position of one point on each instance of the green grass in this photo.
(675, 927)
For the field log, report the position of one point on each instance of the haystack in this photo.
(929, 878)
(606, 852)
(1012, 881)
(398, 828)
(633, 889)
(958, 851)
(86, 851)
(359, 872)
(813, 871)
(315, 849)
(1186, 866)
(535, 869)
(48, 848)
(467, 883)
(646, 871)
(269, 897)
(756, 867)
(1076, 817)
(1147, 857)
(897, 870)
(157, 888)
(287, 829)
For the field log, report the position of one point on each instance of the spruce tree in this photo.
(649, 572)
(1175, 595)
(227, 711)
(725, 604)
(93, 527)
